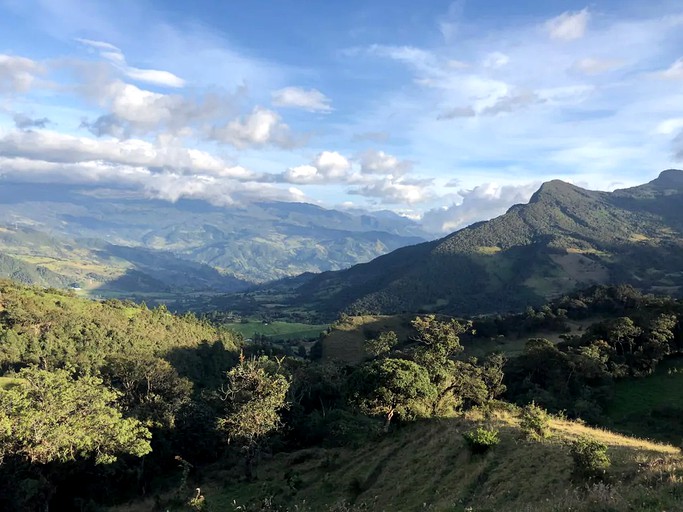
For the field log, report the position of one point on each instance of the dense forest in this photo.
(108, 403)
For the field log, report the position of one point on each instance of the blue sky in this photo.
(449, 112)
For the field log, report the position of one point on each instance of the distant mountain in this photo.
(564, 238)
(184, 246)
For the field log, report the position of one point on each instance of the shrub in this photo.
(535, 422)
(590, 458)
(481, 439)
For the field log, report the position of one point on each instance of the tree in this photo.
(50, 417)
(391, 386)
(152, 389)
(254, 396)
(382, 344)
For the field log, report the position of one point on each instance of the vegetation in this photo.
(481, 439)
(565, 239)
(535, 422)
(157, 405)
(590, 458)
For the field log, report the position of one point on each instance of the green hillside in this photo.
(427, 466)
(565, 238)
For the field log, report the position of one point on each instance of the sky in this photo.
(447, 112)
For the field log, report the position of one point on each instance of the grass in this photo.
(278, 330)
(651, 405)
(347, 339)
(9, 382)
(426, 466)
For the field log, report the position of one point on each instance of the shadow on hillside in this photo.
(205, 365)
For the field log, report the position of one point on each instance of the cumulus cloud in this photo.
(24, 122)
(568, 26)
(307, 99)
(480, 203)
(394, 192)
(326, 167)
(17, 74)
(260, 128)
(379, 162)
(132, 110)
(116, 57)
(59, 148)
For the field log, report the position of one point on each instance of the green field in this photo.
(277, 330)
(651, 406)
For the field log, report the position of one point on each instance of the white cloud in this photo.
(670, 126)
(326, 167)
(568, 26)
(17, 74)
(480, 203)
(307, 99)
(50, 146)
(379, 162)
(260, 128)
(393, 192)
(674, 72)
(116, 57)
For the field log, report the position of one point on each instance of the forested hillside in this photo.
(564, 239)
(176, 414)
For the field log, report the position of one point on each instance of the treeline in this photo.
(628, 335)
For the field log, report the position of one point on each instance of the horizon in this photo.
(448, 113)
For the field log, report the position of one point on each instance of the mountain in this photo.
(188, 245)
(565, 238)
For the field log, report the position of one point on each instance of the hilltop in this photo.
(566, 238)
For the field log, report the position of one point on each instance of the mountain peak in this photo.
(669, 178)
(554, 189)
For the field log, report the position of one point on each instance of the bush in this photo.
(535, 422)
(590, 458)
(481, 439)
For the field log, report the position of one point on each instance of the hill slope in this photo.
(565, 238)
(517, 475)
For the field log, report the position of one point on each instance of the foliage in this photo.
(481, 439)
(590, 458)
(50, 416)
(382, 344)
(389, 387)
(535, 422)
(253, 397)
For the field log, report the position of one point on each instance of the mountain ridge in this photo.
(564, 238)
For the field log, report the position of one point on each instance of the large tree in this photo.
(254, 395)
(52, 417)
(391, 387)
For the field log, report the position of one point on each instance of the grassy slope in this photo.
(346, 341)
(651, 406)
(425, 466)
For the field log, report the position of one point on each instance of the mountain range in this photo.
(565, 238)
(113, 242)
